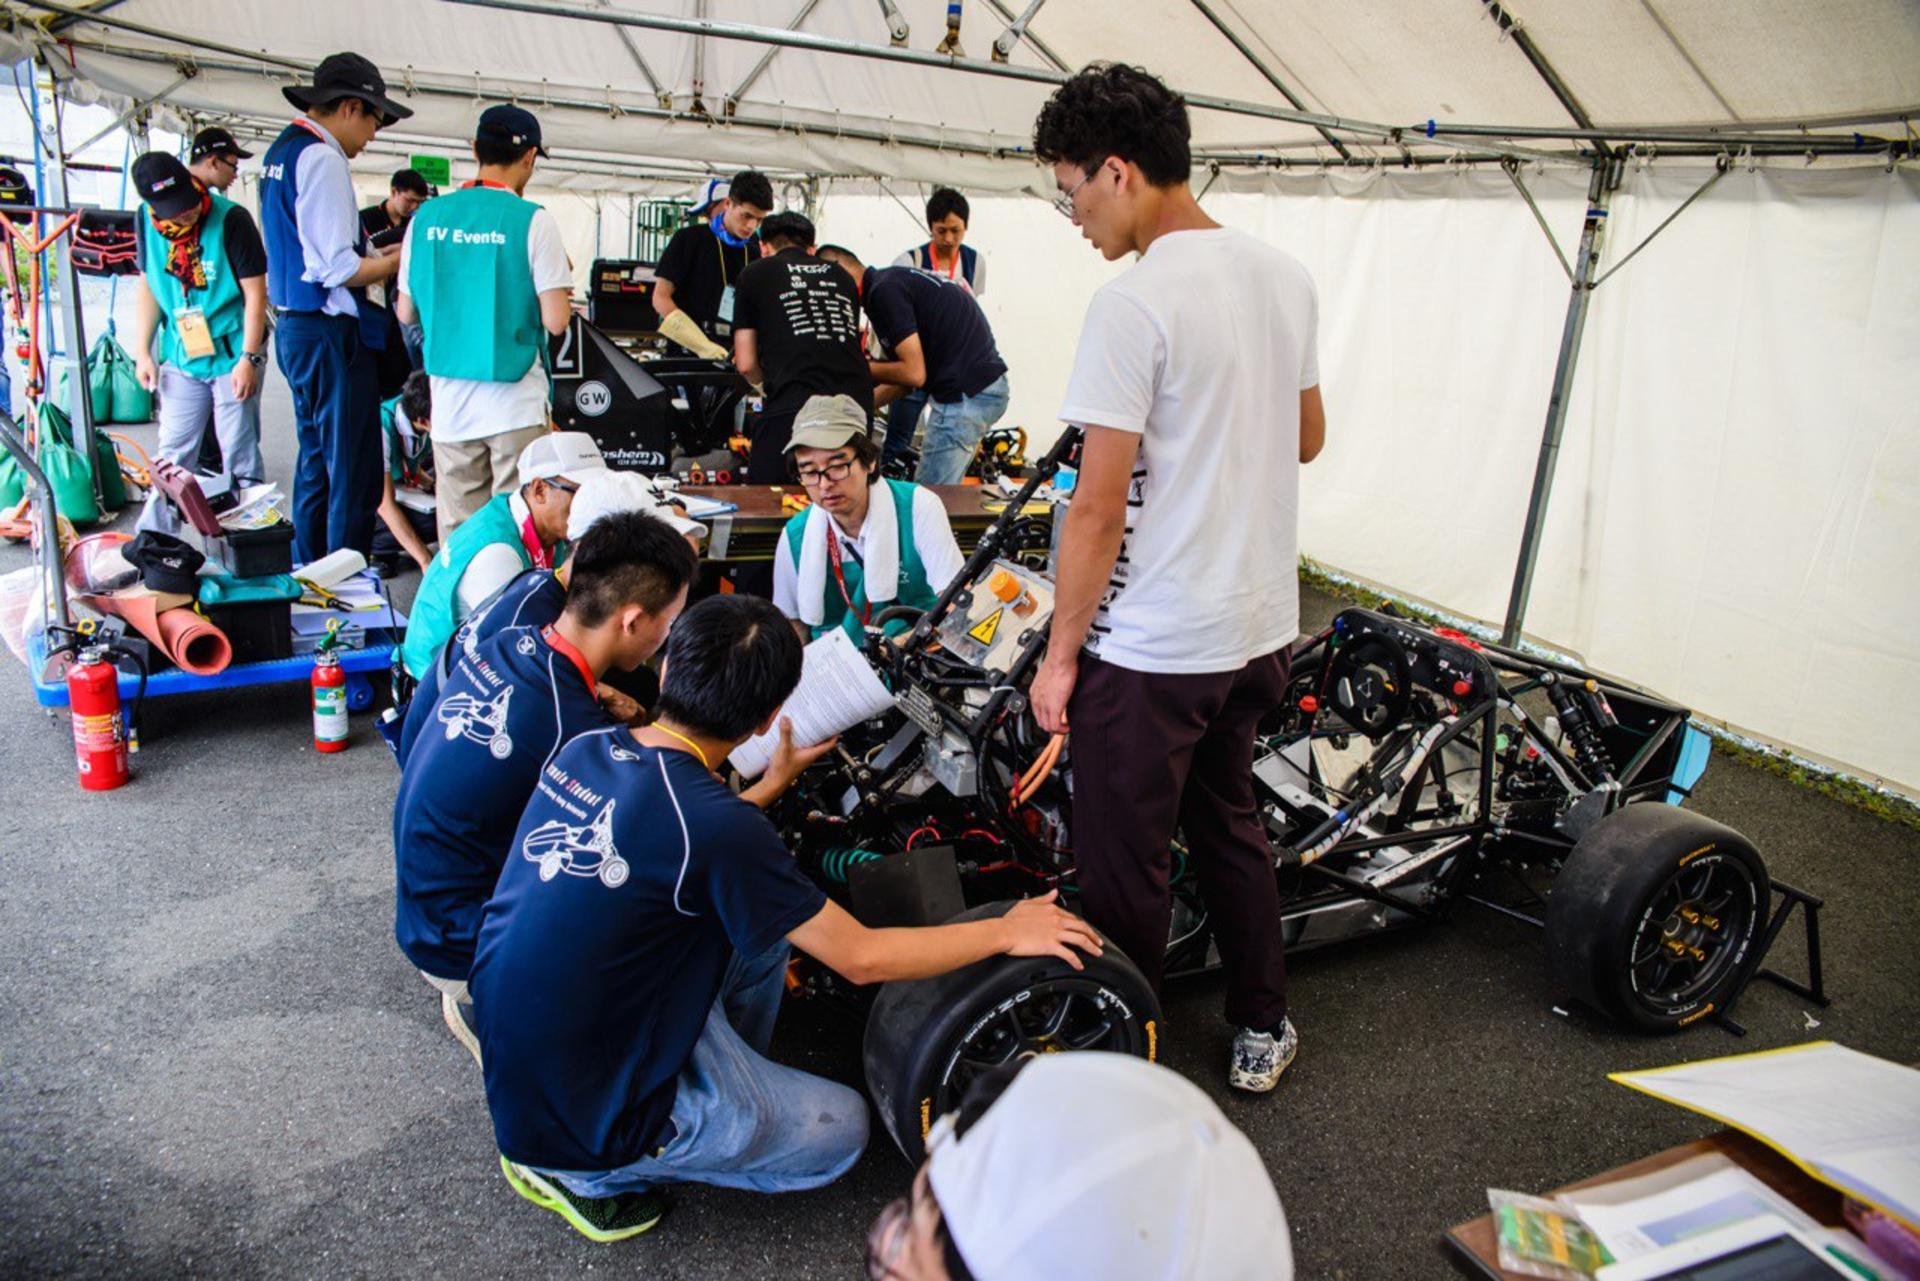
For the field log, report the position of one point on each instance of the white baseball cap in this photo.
(563, 455)
(607, 492)
(708, 194)
(1104, 1165)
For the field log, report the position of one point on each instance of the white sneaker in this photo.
(458, 1015)
(1260, 1057)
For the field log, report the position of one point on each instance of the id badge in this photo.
(726, 305)
(195, 338)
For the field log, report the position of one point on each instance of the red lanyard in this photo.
(312, 128)
(488, 182)
(530, 539)
(933, 262)
(840, 575)
(565, 648)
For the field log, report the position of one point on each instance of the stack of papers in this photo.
(837, 691)
(256, 507)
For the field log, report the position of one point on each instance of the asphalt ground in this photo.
(213, 1060)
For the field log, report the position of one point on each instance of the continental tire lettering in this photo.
(926, 1117)
(1698, 1014)
(1105, 997)
(1704, 849)
(1153, 1041)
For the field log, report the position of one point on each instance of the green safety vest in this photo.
(221, 302)
(399, 461)
(913, 587)
(436, 607)
(468, 274)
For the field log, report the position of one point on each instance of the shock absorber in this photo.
(1578, 722)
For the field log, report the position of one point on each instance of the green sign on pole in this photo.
(437, 170)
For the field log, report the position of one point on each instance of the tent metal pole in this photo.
(1719, 172)
(1007, 41)
(700, 61)
(1705, 135)
(63, 282)
(897, 28)
(1524, 42)
(1233, 38)
(1599, 191)
(1033, 42)
(660, 95)
(1513, 175)
(760, 67)
(139, 105)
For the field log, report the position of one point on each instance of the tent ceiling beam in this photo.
(660, 94)
(1688, 58)
(1007, 41)
(1032, 41)
(700, 61)
(766, 59)
(101, 7)
(1233, 38)
(897, 28)
(1510, 26)
(139, 105)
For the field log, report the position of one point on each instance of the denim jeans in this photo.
(903, 419)
(741, 1120)
(954, 431)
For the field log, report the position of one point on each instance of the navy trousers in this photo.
(336, 417)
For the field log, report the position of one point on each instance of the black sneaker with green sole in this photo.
(613, 1218)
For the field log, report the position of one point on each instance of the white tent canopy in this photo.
(1737, 509)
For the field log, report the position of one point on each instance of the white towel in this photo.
(881, 561)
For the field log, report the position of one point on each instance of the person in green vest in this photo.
(867, 543)
(200, 322)
(406, 488)
(511, 533)
(485, 275)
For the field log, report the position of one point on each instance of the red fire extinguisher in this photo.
(99, 729)
(329, 695)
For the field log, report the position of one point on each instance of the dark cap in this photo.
(347, 75)
(215, 142)
(164, 183)
(166, 564)
(506, 125)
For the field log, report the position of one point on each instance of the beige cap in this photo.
(828, 422)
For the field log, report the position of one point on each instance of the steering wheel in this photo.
(1371, 684)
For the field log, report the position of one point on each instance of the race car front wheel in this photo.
(1655, 917)
(929, 1039)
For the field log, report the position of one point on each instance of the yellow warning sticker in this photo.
(987, 628)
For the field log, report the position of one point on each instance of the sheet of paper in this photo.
(1635, 1217)
(699, 507)
(1847, 1118)
(838, 690)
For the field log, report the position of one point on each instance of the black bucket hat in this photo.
(347, 75)
(166, 564)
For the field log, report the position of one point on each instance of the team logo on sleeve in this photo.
(525, 645)
(483, 723)
(586, 850)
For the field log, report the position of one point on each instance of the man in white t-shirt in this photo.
(485, 275)
(1197, 385)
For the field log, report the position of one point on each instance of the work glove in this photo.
(679, 327)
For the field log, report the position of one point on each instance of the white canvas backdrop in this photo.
(1736, 516)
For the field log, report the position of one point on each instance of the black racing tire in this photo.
(1655, 918)
(927, 1039)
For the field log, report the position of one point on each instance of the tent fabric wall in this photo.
(1737, 507)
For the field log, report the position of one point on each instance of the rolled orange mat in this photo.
(194, 644)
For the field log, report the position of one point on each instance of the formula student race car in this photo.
(1409, 768)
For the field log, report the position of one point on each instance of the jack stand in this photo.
(1815, 989)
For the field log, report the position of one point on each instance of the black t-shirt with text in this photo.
(954, 336)
(245, 252)
(805, 315)
(701, 268)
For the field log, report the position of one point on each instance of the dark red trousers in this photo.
(1152, 753)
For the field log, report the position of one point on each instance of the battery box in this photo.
(994, 618)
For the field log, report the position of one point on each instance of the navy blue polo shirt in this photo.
(503, 714)
(954, 335)
(532, 598)
(633, 880)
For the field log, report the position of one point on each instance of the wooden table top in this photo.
(1472, 1244)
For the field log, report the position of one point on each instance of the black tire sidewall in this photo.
(1601, 898)
(916, 1028)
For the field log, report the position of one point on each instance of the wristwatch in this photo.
(258, 359)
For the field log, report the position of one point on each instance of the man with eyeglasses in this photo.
(866, 543)
(511, 533)
(1197, 384)
(329, 337)
(215, 159)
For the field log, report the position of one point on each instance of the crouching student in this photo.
(408, 528)
(505, 710)
(633, 955)
(866, 543)
(511, 533)
(535, 597)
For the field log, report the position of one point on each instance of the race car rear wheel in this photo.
(927, 1040)
(1655, 917)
